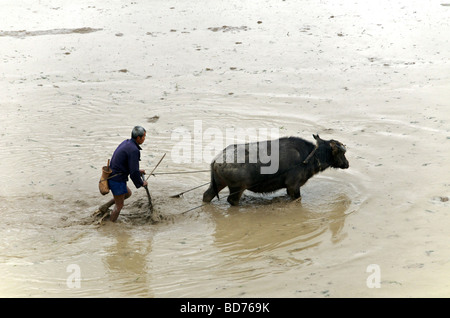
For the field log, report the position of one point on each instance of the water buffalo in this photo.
(292, 161)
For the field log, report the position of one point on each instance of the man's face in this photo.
(140, 140)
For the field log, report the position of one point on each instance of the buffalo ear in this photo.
(317, 138)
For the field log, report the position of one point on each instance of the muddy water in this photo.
(76, 78)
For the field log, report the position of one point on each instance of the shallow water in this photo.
(373, 76)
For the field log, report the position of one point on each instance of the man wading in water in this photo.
(124, 163)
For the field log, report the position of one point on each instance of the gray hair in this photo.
(138, 131)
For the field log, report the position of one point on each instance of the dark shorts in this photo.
(117, 187)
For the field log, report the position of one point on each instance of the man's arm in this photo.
(133, 164)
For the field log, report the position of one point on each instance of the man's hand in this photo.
(145, 183)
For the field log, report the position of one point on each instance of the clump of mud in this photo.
(25, 33)
(136, 213)
(227, 28)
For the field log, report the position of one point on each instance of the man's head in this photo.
(138, 133)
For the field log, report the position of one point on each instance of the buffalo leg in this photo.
(235, 195)
(209, 194)
(294, 192)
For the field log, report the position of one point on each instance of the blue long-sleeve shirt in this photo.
(125, 162)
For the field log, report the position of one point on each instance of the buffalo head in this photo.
(336, 152)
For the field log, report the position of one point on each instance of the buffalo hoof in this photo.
(233, 202)
(208, 195)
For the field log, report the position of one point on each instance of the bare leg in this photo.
(104, 208)
(119, 202)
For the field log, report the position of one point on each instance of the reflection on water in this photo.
(277, 232)
(250, 231)
(126, 263)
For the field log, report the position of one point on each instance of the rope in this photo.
(204, 204)
(109, 177)
(180, 172)
(181, 193)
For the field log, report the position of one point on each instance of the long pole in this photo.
(156, 166)
(150, 204)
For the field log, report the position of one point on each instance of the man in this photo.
(124, 163)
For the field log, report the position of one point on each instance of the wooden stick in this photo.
(156, 166)
(150, 203)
